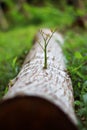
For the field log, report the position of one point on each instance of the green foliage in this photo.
(76, 54)
(13, 44)
(14, 62)
(80, 12)
(46, 16)
(10, 3)
(15, 17)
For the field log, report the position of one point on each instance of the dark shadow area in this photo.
(33, 113)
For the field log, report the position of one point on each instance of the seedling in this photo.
(46, 38)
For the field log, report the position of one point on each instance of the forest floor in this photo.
(16, 42)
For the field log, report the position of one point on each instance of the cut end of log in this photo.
(31, 112)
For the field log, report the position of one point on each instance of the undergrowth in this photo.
(14, 45)
(75, 50)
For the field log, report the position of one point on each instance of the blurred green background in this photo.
(19, 22)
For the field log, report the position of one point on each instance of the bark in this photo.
(3, 22)
(43, 97)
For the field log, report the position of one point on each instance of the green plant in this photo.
(46, 38)
(11, 57)
(76, 54)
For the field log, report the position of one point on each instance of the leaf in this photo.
(77, 103)
(14, 62)
(85, 99)
(6, 90)
(85, 84)
(78, 55)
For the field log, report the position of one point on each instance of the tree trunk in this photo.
(21, 8)
(3, 21)
(81, 20)
(40, 98)
(78, 4)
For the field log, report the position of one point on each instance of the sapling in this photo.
(46, 38)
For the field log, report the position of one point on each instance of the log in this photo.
(40, 98)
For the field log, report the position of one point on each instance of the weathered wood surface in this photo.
(53, 83)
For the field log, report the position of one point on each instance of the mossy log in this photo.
(40, 99)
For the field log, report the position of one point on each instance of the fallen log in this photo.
(40, 98)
